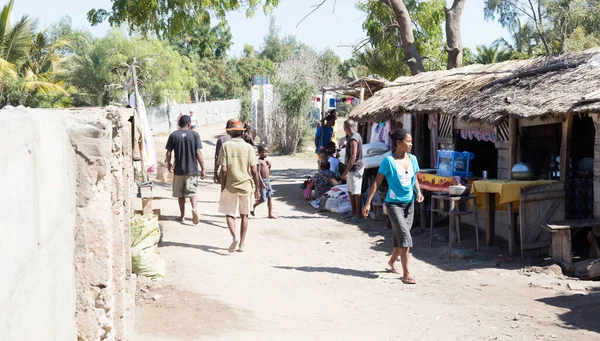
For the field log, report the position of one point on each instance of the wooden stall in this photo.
(541, 112)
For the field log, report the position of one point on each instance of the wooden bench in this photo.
(561, 239)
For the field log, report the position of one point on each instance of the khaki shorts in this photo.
(354, 182)
(230, 203)
(184, 186)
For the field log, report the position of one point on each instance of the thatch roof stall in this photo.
(524, 89)
(371, 85)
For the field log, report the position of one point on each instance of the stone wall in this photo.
(68, 201)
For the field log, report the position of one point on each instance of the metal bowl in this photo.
(522, 171)
(457, 191)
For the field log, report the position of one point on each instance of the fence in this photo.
(205, 113)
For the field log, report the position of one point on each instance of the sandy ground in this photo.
(311, 276)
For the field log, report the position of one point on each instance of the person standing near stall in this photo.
(400, 170)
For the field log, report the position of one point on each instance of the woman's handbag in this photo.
(308, 190)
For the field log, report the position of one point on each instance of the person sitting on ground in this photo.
(323, 180)
(333, 161)
(264, 172)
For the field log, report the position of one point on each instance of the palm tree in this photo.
(491, 54)
(15, 42)
(85, 70)
(524, 40)
(28, 62)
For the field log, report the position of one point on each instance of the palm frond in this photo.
(7, 71)
(17, 41)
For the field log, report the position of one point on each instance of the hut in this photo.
(531, 111)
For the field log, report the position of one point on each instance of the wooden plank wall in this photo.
(597, 167)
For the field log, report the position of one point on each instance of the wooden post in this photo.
(512, 227)
(490, 229)
(362, 92)
(322, 119)
(565, 148)
(423, 211)
(434, 141)
(513, 138)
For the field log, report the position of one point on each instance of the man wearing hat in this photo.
(220, 142)
(239, 182)
(187, 147)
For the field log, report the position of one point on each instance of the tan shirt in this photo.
(239, 157)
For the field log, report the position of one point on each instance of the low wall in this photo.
(206, 113)
(66, 207)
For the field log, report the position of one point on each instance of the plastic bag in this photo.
(145, 258)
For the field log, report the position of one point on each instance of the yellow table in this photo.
(505, 194)
(507, 191)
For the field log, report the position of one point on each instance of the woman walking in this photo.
(400, 170)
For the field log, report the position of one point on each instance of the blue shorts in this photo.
(266, 192)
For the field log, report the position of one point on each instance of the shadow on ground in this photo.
(583, 313)
(216, 250)
(334, 270)
(286, 184)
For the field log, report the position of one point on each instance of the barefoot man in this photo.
(187, 146)
(238, 174)
(264, 171)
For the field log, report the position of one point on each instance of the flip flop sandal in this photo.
(408, 280)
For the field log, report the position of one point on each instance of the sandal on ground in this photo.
(408, 280)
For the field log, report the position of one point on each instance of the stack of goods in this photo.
(338, 200)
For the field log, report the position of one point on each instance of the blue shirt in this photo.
(326, 136)
(400, 182)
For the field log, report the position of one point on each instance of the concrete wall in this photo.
(37, 206)
(66, 207)
(205, 113)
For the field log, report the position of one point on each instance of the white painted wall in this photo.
(37, 216)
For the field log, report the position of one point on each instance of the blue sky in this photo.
(321, 30)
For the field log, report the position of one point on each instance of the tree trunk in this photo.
(412, 55)
(453, 37)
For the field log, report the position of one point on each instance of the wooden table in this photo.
(507, 194)
(453, 210)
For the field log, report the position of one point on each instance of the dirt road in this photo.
(310, 276)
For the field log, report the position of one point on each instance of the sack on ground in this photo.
(145, 259)
(162, 173)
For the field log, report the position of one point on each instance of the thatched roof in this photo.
(534, 88)
(372, 85)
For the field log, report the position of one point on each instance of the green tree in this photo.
(169, 19)
(382, 52)
(28, 61)
(491, 54)
(100, 70)
(276, 48)
(523, 42)
(206, 41)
